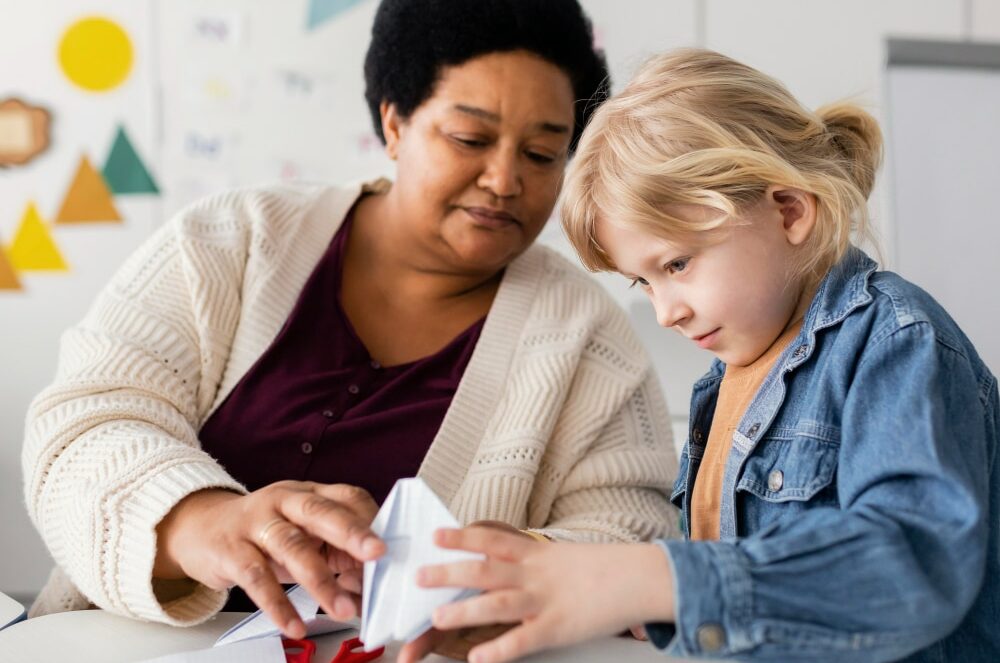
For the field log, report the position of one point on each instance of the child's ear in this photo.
(798, 212)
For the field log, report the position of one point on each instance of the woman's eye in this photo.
(638, 280)
(678, 265)
(471, 142)
(541, 158)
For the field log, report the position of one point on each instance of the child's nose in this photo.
(670, 311)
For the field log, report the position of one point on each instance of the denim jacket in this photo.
(860, 512)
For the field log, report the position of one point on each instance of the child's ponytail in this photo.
(858, 138)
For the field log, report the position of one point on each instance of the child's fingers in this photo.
(502, 607)
(486, 540)
(484, 574)
(515, 643)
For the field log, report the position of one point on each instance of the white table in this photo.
(95, 636)
(10, 610)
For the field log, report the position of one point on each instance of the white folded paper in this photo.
(257, 639)
(393, 607)
(259, 625)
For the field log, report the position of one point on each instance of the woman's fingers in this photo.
(351, 581)
(344, 525)
(249, 569)
(503, 607)
(421, 647)
(489, 541)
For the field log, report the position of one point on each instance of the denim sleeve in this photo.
(895, 567)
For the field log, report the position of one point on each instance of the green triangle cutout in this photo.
(124, 171)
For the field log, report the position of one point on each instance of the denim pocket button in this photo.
(775, 480)
(711, 637)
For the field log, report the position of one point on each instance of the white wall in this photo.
(278, 101)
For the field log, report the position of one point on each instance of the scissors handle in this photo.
(352, 651)
(301, 650)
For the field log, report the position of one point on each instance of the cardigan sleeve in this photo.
(111, 445)
(611, 463)
(618, 491)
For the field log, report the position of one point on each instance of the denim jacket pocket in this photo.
(792, 469)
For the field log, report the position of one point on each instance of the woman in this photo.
(260, 373)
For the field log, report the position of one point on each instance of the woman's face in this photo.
(480, 163)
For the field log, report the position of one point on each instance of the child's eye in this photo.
(638, 280)
(677, 266)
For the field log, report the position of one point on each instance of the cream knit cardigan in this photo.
(558, 423)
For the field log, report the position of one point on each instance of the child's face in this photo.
(732, 297)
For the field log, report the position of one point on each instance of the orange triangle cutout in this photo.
(88, 198)
(33, 247)
(8, 277)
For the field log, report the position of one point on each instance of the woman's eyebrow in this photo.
(490, 116)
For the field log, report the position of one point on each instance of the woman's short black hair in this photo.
(412, 40)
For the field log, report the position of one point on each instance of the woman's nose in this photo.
(501, 175)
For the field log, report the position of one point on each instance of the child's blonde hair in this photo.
(696, 127)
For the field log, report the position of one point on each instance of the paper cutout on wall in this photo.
(217, 29)
(124, 171)
(24, 132)
(8, 277)
(88, 199)
(33, 248)
(95, 53)
(200, 146)
(321, 11)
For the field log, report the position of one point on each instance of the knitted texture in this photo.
(558, 424)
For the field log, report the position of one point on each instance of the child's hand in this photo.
(559, 594)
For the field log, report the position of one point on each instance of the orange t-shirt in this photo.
(739, 385)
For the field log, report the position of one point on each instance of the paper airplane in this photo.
(393, 607)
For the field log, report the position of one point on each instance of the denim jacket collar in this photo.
(843, 289)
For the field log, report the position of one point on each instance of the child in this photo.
(839, 484)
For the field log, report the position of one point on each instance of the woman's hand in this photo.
(292, 531)
(559, 594)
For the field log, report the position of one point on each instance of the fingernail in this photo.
(370, 546)
(296, 629)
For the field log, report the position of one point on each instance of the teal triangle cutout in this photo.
(321, 11)
(124, 171)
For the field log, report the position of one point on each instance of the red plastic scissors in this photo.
(351, 651)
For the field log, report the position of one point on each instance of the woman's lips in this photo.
(706, 340)
(491, 218)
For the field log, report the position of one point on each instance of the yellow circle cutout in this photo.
(96, 54)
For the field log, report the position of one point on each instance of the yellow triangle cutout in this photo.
(88, 198)
(33, 248)
(8, 277)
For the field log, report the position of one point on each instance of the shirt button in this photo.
(354, 389)
(307, 448)
(711, 637)
(753, 430)
(328, 414)
(800, 351)
(697, 435)
(374, 364)
(775, 480)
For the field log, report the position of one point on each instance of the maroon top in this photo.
(317, 407)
